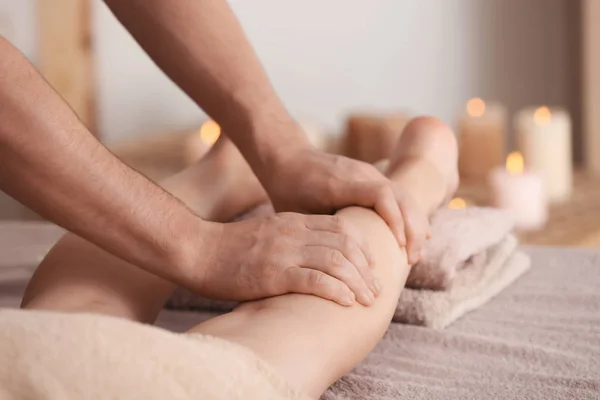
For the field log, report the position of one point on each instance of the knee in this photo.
(429, 134)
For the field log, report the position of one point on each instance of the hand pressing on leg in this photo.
(310, 181)
(289, 253)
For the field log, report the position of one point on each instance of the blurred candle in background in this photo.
(372, 137)
(519, 191)
(457, 203)
(198, 143)
(544, 137)
(482, 135)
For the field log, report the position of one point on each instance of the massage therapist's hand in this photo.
(311, 181)
(284, 253)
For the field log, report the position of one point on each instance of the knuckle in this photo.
(287, 228)
(339, 223)
(347, 242)
(384, 191)
(337, 258)
(315, 278)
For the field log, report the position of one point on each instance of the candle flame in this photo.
(210, 132)
(457, 203)
(476, 107)
(515, 163)
(542, 116)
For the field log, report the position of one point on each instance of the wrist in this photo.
(275, 143)
(193, 249)
(264, 132)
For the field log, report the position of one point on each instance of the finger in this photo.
(339, 225)
(333, 263)
(382, 199)
(317, 283)
(388, 209)
(416, 223)
(348, 246)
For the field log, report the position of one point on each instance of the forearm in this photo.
(202, 47)
(51, 163)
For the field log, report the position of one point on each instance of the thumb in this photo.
(382, 199)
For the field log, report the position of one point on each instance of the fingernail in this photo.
(371, 296)
(377, 285)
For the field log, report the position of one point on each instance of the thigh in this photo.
(77, 276)
(313, 342)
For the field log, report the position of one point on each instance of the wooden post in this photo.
(590, 16)
(65, 53)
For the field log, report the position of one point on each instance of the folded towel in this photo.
(84, 356)
(456, 237)
(472, 287)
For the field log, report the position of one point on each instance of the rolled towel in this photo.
(473, 286)
(456, 237)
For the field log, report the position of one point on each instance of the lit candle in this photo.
(519, 191)
(371, 137)
(198, 144)
(482, 131)
(457, 203)
(544, 137)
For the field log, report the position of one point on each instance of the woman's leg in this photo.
(313, 342)
(310, 341)
(78, 276)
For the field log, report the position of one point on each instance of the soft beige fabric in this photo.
(49, 356)
(456, 236)
(472, 287)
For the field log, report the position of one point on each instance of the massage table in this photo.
(539, 339)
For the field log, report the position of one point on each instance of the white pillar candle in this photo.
(520, 192)
(544, 137)
(198, 143)
(482, 132)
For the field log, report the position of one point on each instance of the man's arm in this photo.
(50, 162)
(202, 47)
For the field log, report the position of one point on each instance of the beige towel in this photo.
(456, 237)
(47, 355)
(472, 287)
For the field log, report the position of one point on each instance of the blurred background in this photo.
(330, 60)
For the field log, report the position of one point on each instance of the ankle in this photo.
(423, 180)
